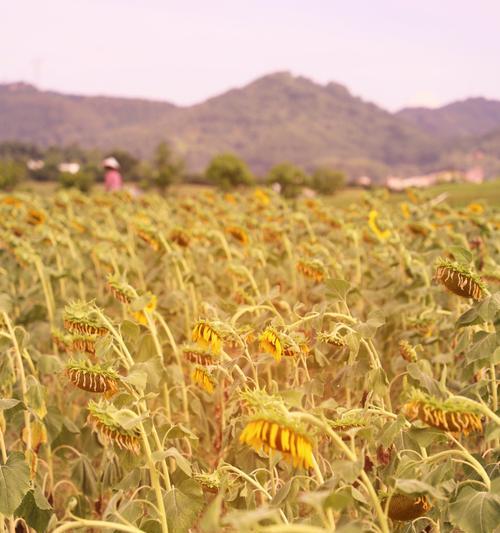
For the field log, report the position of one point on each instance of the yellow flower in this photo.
(207, 336)
(267, 434)
(238, 233)
(372, 223)
(140, 315)
(405, 209)
(312, 269)
(449, 415)
(475, 208)
(203, 379)
(262, 196)
(270, 342)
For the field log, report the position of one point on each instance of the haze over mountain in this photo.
(279, 117)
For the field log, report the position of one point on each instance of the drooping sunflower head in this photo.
(109, 423)
(403, 507)
(143, 306)
(80, 342)
(180, 236)
(82, 317)
(61, 339)
(93, 378)
(272, 428)
(204, 379)
(209, 481)
(348, 421)
(120, 289)
(407, 351)
(35, 217)
(313, 269)
(207, 335)
(335, 339)
(459, 279)
(262, 197)
(475, 208)
(199, 356)
(239, 234)
(270, 342)
(148, 234)
(382, 234)
(450, 415)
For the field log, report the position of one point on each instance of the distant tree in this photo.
(19, 151)
(83, 179)
(11, 173)
(291, 178)
(326, 180)
(227, 171)
(167, 167)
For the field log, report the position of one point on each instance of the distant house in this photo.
(70, 168)
(35, 164)
(395, 183)
(475, 175)
(364, 181)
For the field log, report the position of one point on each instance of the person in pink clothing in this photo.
(113, 180)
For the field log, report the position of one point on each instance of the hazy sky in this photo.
(392, 52)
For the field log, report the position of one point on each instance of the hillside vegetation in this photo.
(276, 118)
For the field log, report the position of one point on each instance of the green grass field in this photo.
(459, 194)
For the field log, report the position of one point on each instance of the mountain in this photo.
(279, 117)
(276, 118)
(468, 118)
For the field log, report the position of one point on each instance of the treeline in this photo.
(20, 162)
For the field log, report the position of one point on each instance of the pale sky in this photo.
(391, 52)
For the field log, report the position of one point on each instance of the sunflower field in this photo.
(241, 362)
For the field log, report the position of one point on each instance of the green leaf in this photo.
(35, 509)
(421, 371)
(461, 254)
(415, 486)
(337, 289)
(8, 403)
(347, 470)
(475, 511)
(14, 482)
(35, 397)
(183, 505)
(210, 521)
(484, 344)
(369, 328)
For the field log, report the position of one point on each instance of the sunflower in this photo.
(449, 415)
(203, 379)
(83, 343)
(404, 508)
(199, 356)
(142, 314)
(148, 235)
(238, 233)
(121, 290)
(207, 335)
(407, 351)
(312, 269)
(35, 217)
(475, 208)
(405, 210)
(271, 343)
(92, 378)
(459, 279)
(270, 434)
(180, 237)
(80, 317)
(102, 418)
(382, 235)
